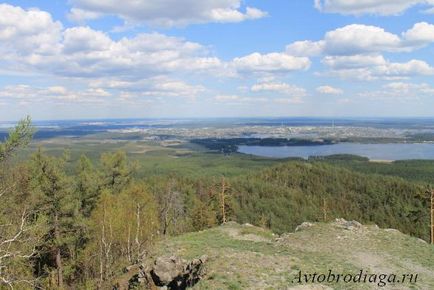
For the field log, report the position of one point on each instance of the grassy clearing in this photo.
(255, 264)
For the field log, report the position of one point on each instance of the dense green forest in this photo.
(230, 145)
(421, 171)
(75, 223)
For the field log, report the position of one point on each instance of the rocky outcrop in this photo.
(303, 226)
(170, 273)
(347, 225)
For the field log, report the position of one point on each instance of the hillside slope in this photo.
(283, 196)
(247, 257)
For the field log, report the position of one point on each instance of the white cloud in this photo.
(167, 12)
(354, 61)
(95, 54)
(159, 86)
(30, 40)
(80, 16)
(364, 39)
(421, 33)
(354, 51)
(329, 90)
(27, 32)
(57, 94)
(423, 88)
(305, 48)
(286, 101)
(400, 91)
(224, 98)
(103, 91)
(279, 87)
(270, 63)
(358, 7)
(372, 71)
(357, 38)
(85, 39)
(235, 99)
(410, 68)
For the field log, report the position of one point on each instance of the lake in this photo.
(392, 151)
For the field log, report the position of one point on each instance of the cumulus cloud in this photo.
(57, 94)
(167, 12)
(236, 99)
(420, 34)
(105, 90)
(400, 91)
(359, 7)
(329, 90)
(422, 88)
(92, 53)
(81, 16)
(374, 68)
(270, 63)
(159, 86)
(354, 61)
(364, 39)
(305, 48)
(31, 39)
(357, 38)
(26, 32)
(279, 87)
(355, 51)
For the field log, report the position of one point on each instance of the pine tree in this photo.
(19, 137)
(86, 185)
(117, 171)
(58, 205)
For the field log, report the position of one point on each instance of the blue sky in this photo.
(227, 58)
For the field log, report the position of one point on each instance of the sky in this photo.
(92, 59)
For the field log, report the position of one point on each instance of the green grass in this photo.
(244, 264)
(264, 233)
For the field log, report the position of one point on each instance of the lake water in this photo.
(395, 151)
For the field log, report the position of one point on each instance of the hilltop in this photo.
(249, 257)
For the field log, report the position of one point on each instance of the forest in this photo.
(230, 145)
(76, 224)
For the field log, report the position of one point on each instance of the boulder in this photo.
(167, 269)
(303, 226)
(348, 225)
(169, 272)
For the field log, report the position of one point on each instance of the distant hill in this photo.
(283, 196)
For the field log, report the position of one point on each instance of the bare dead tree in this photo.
(12, 250)
(432, 217)
(222, 200)
(171, 206)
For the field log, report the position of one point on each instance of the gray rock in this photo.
(166, 269)
(303, 226)
(348, 225)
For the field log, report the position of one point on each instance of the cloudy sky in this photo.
(76, 59)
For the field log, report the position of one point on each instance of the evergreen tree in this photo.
(19, 137)
(87, 185)
(117, 171)
(58, 205)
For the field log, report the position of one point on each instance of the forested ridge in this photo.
(77, 229)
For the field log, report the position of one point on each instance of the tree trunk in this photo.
(222, 200)
(59, 266)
